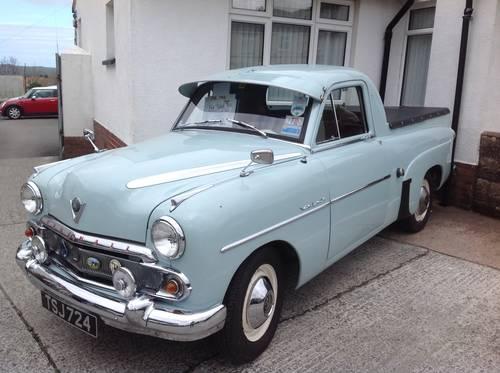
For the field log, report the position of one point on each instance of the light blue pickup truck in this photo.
(269, 176)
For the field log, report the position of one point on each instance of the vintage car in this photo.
(269, 175)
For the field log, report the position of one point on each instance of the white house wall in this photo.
(172, 43)
(112, 85)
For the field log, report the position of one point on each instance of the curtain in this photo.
(422, 18)
(259, 5)
(247, 44)
(300, 9)
(331, 47)
(289, 43)
(418, 52)
(334, 11)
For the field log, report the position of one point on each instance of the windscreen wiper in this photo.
(246, 125)
(198, 123)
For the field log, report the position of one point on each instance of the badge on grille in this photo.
(77, 208)
(114, 265)
(93, 263)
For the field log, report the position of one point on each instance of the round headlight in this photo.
(168, 237)
(31, 198)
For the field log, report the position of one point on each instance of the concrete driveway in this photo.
(36, 137)
(388, 306)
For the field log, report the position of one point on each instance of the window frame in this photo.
(409, 33)
(315, 24)
(364, 103)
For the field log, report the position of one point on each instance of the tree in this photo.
(8, 66)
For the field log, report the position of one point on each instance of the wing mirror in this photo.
(90, 137)
(263, 156)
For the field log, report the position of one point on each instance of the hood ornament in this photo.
(77, 208)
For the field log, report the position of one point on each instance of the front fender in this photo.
(245, 213)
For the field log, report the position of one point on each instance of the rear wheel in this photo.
(417, 221)
(14, 112)
(253, 302)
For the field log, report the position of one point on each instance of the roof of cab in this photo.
(311, 80)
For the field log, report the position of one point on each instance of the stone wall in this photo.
(487, 186)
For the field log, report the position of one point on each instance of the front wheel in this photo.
(14, 112)
(253, 303)
(417, 221)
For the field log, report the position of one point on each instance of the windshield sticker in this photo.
(299, 105)
(293, 126)
(220, 104)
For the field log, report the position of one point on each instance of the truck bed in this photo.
(402, 116)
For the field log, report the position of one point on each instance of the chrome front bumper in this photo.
(139, 315)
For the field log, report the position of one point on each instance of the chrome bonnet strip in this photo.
(189, 173)
(299, 216)
(97, 242)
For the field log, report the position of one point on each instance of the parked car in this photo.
(40, 101)
(269, 176)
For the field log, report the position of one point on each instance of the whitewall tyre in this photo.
(253, 301)
(417, 221)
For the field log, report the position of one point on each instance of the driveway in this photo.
(388, 306)
(37, 137)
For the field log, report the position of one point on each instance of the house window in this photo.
(418, 51)
(110, 33)
(290, 32)
(247, 44)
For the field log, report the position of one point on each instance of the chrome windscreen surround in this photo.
(98, 242)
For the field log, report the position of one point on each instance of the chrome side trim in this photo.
(38, 169)
(273, 227)
(98, 242)
(189, 173)
(299, 216)
(341, 197)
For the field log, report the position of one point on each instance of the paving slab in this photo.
(457, 232)
(436, 314)
(19, 351)
(13, 174)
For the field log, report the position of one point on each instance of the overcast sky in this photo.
(31, 30)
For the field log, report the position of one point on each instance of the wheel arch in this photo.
(6, 109)
(288, 255)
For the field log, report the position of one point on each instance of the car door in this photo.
(44, 102)
(357, 167)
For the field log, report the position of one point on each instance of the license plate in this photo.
(79, 319)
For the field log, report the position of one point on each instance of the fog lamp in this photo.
(39, 249)
(124, 282)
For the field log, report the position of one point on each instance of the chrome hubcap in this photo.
(424, 201)
(260, 301)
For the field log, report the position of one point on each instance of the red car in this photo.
(40, 101)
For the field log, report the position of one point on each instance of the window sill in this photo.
(109, 62)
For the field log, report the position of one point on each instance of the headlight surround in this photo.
(31, 198)
(168, 237)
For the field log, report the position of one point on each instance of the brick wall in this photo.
(487, 185)
(462, 185)
(104, 139)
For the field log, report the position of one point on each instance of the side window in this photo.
(54, 93)
(343, 115)
(44, 93)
